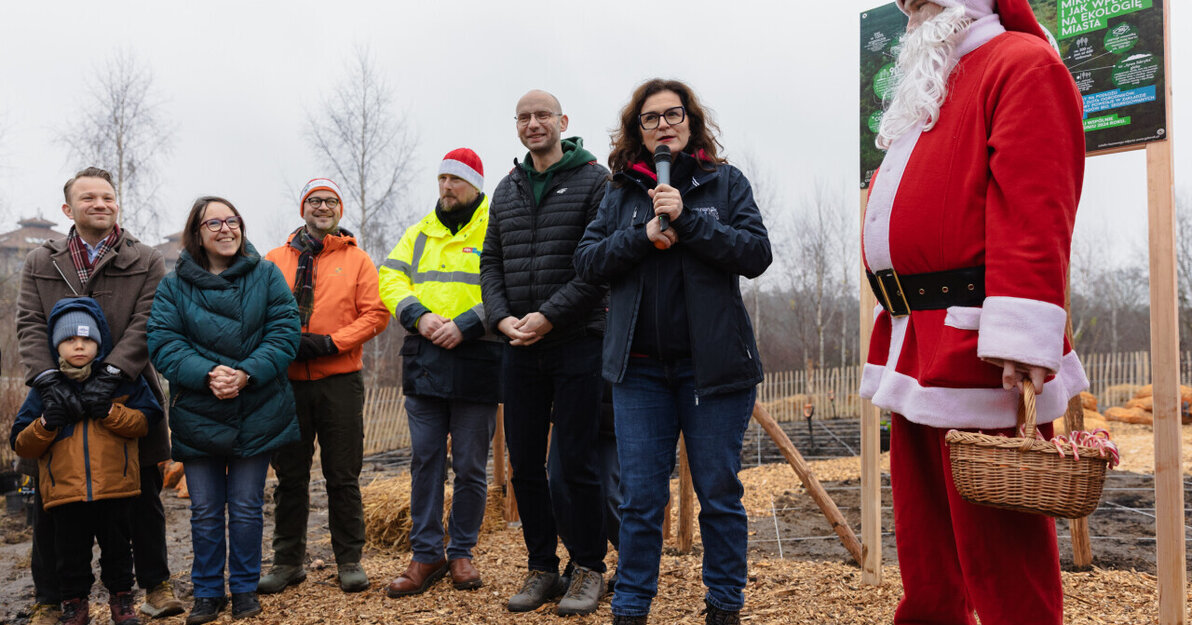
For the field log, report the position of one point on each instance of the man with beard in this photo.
(335, 285)
(967, 236)
(450, 373)
(555, 323)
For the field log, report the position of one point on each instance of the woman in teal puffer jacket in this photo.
(224, 327)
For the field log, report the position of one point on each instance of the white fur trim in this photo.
(984, 408)
(1023, 330)
(963, 317)
(459, 169)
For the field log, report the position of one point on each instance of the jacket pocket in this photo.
(951, 341)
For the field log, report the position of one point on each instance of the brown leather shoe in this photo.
(417, 578)
(464, 576)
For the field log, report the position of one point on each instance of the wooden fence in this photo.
(829, 393)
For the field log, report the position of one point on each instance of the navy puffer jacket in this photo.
(245, 318)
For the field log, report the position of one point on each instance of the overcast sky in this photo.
(237, 79)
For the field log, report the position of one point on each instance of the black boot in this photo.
(716, 616)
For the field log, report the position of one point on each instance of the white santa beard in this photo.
(926, 57)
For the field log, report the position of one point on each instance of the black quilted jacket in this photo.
(526, 264)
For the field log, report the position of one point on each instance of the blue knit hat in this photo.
(76, 323)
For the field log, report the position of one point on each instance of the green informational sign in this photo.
(1114, 49)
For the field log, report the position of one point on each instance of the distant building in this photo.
(17, 244)
(171, 249)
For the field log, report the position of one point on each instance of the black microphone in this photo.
(662, 163)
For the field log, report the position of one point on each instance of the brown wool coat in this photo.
(123, 282)
(97, 460)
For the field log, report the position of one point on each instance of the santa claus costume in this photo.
(967, 236)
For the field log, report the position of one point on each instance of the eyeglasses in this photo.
(523, 119)
(215, 225)
(316, 201)
(673, 116)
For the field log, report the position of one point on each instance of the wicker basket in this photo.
(1026, 474)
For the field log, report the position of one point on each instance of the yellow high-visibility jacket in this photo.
(432, 270)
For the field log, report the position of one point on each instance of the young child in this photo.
(89, 470)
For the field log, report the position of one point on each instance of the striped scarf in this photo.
(80, 257)
(304, 278)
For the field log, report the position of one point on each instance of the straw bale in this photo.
(1129, 415)
(181, 490)
(1092, 421)
(387, 512)
(1145, 403)
(1088, 401)
(1149, 390)
(173, 473)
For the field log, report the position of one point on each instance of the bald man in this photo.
(554, 323)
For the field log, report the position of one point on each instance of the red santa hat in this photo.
(324, 184)
(1016, 15)
(464, 163)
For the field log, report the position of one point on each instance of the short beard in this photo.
(926, 58)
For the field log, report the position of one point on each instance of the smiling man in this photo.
(335, 284)
(101, 260)
(967, 234)
(554, 322)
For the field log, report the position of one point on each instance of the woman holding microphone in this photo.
(679, 347)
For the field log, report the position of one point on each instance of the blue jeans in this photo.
(471, 427)
(655, 402)
(559, 385)
(237, 485)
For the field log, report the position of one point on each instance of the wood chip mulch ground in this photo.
(779, 591)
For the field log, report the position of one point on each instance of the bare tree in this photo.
(121, 129)
(369, 148)
(822, 250)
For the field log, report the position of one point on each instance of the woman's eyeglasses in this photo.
(215, 225)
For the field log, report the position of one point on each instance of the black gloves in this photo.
(315, 346)
(59, 397)
(55, 416)
(99, 390)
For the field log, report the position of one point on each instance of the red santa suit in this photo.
(993, 185)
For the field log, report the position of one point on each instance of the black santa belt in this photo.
(899, 293)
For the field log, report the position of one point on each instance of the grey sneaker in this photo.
(538, 588)
(280, 576)
(352, 577)
(585, 591)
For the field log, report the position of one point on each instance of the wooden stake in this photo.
(871, 476)
(686, 501)
(817, 492)
(499, 472)
(1165, 365)
(1082, 549)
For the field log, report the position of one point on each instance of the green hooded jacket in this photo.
(574, 155)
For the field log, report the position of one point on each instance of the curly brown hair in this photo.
(626, 141)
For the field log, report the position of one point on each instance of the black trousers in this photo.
(148, 540)
(557, 385)
(77, 527)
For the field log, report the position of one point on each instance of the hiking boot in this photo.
(539, 587)
(629, 620)
(279, 577)
(352, 577)
(716, 616)
(205, 610)
(245, 604)
(75, 612)
(161, 601)
(45, 614)
(464, 575)
(123, 612)
(587, 586)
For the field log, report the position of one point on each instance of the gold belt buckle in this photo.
(896, 304)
